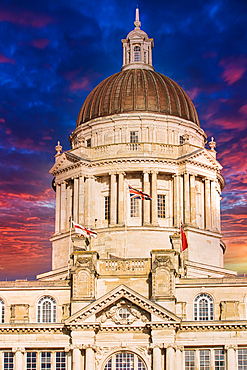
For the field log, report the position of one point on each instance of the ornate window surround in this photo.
(46, 303)
(203, 307)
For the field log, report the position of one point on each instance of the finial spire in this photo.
(137, 23)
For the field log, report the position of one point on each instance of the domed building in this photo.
(130, 288)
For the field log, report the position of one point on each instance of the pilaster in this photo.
(58, 208)
(113, 199)
(207, 205)
(63, 206)
(146, 204)
(186, 199)
(121, 210)
(154, 198)
(76, 200)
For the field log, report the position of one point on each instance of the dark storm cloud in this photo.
(53, 53)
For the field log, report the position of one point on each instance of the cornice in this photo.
(213, 326)
(31, 328)
(136, 160)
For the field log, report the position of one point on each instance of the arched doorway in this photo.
(124, 361)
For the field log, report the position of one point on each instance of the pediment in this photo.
(65, 160)
(203, 157)
(140, 310)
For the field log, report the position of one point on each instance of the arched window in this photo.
(137, 54)
(46, 310)
(1, 311)
(203, 307)
(125, 361)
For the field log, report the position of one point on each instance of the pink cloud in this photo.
(234, 69)
(2, 120)
(4, 59)
(193, 93)
(243, 110)
(40, 43)
(82, 84)
(25, 18)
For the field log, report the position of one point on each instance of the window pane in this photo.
(1, 311)
(60, 361)
(161, 206)
(242, 359)
(45, 360)
(8, 361)
(219, 359)
(137, 53)
(125, 361)
(107, 208)
(134, 136)
(31, 361)
(134, 207)
(204, 360)
(189, 360)
(203, 307)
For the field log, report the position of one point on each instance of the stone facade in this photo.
(130, 299)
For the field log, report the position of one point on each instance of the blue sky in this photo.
(52, 54)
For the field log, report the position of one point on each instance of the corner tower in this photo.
(139, 128)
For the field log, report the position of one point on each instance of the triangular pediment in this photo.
(65, 160)
(202, 157)
(141, 309)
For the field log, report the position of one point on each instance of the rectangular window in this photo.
(242, 359)
(134, 207)
(205, 359)
(89, 143)
(60, 361)
(8, 361)
(107, 208)
(219, 360)
(161, 206)
(31, 361)
(189, 360)
(181, 140)
(45, 360)
(134, 136)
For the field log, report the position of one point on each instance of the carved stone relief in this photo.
(123, 313)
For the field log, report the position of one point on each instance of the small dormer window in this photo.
(89, 143)
(137, 54)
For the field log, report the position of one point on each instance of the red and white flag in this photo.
(83, 231)
(183, 239)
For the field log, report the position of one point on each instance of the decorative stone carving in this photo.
(65, 311)
(123, 313)
(19, 313)
(163, 274)
(229, 310)
(84, 273)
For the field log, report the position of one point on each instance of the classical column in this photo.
(192, 200)
(89, 202)
(63, 206)
(213, 207)
(207, 205)
(90, 361)
(186, 199)
(113, 199)
(53, 360)
(18, 358)
(156, 358)
(197, 360)
(69, 206)
(146, 203)
(154, 199)
(179, 358)
(76, 200)
(76, 364)
(81, 200)
(212, 359)
(68, 360)
(121, 198)
(38, 358)
(231, 357)
(170, 358)
(58, 208)
(176, 200)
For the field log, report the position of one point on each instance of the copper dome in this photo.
(137, 90)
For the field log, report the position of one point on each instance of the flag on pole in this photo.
(183, 239)
(138, 194)
(83, 231)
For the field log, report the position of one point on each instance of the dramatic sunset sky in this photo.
(54, 52)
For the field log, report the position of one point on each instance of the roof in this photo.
(137, 90)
